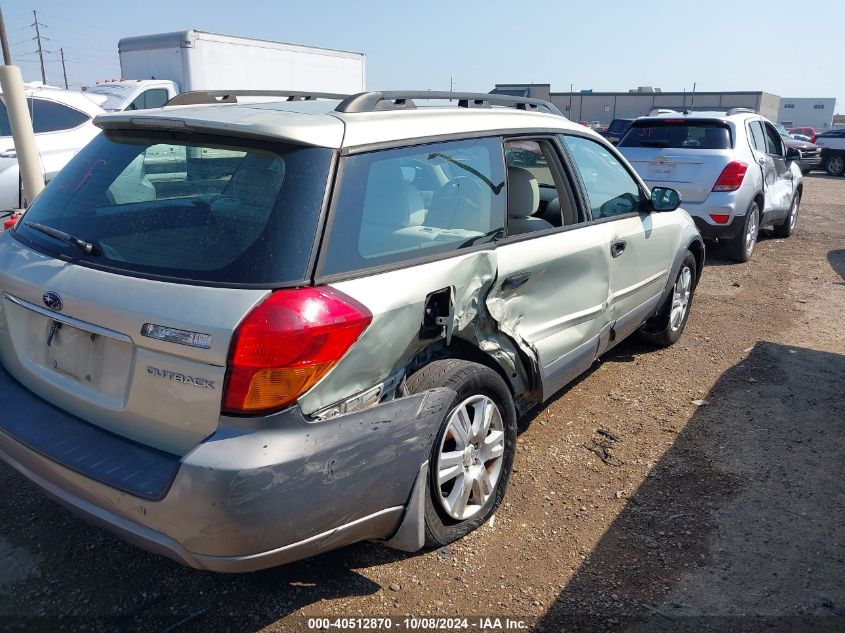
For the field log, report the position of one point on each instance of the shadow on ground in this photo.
(836, 259)
(739, 526)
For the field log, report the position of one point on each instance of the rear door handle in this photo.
(515, 281)
(617, 248)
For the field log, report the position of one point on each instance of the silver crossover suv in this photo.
(239, 334)
(733, 171)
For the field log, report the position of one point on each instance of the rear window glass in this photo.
(196, 208)
(397, 205)
(686, 134)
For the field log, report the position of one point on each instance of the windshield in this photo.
(782, 131)
(192, 208)
(678, 134)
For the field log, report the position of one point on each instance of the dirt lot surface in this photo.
(728, 514)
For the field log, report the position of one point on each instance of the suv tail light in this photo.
(286, 344)
(731, 177)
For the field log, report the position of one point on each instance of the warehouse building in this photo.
(603, 107)
(807, 112)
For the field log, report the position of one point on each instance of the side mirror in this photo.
(792, 153)
(665, 199)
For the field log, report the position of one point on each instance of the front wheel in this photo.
(668, 326)
(835, 165)
(786, 228)
(741, 247)
(473, 451)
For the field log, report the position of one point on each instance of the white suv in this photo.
(732, 169)
(240, 334)
(63, 124)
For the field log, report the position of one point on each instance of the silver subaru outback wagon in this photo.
(240, 334)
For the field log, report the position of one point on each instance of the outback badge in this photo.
(204, 383)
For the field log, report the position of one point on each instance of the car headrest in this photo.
(523, 193)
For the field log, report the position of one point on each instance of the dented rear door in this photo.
(550, 296)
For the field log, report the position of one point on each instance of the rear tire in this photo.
(464, 450)
(667, 327)
(741, 247)
(835, 165)
(786, 228)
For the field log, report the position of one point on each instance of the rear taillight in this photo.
(720, 218)
(731, 176)
(286, 344)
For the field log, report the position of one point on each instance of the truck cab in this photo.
(134, 94)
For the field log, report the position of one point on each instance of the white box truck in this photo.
(197, 60)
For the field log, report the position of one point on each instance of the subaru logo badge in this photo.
(53, 301)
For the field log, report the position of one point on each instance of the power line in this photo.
(41, 50)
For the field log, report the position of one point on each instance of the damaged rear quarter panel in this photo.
(397, 300)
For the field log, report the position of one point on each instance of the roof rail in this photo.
(404, 100)
(195, 97)
(733, 111)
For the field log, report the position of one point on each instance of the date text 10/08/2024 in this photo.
(417, 624)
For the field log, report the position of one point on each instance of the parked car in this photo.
(616, 130)
(62, 122)
(832, 143)
(732, 168)
(809, 132)
(811, 154)
(202, 353)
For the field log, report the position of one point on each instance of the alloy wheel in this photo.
(793, 214)
(751, 232)
(469, 461)
(680, 298)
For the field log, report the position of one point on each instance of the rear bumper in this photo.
(249, 498)
(712, 231)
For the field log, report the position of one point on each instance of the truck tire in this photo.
(473, 451)
(835, 165)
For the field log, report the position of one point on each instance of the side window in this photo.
(48, 116)
(610, 187)
(773, 142)
(153, 98)
(400, 204)
(758, 139)
(538, 197)
(5, 126)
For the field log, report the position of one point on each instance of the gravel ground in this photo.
(721, 504)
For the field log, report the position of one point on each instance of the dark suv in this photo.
(616, 130)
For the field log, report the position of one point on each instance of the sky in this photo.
(600, 44)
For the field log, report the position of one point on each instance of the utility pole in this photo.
(64, 70)
(4, 41)
(41, 50)
(570, 99)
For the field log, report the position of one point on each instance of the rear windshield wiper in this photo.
(85, 247)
